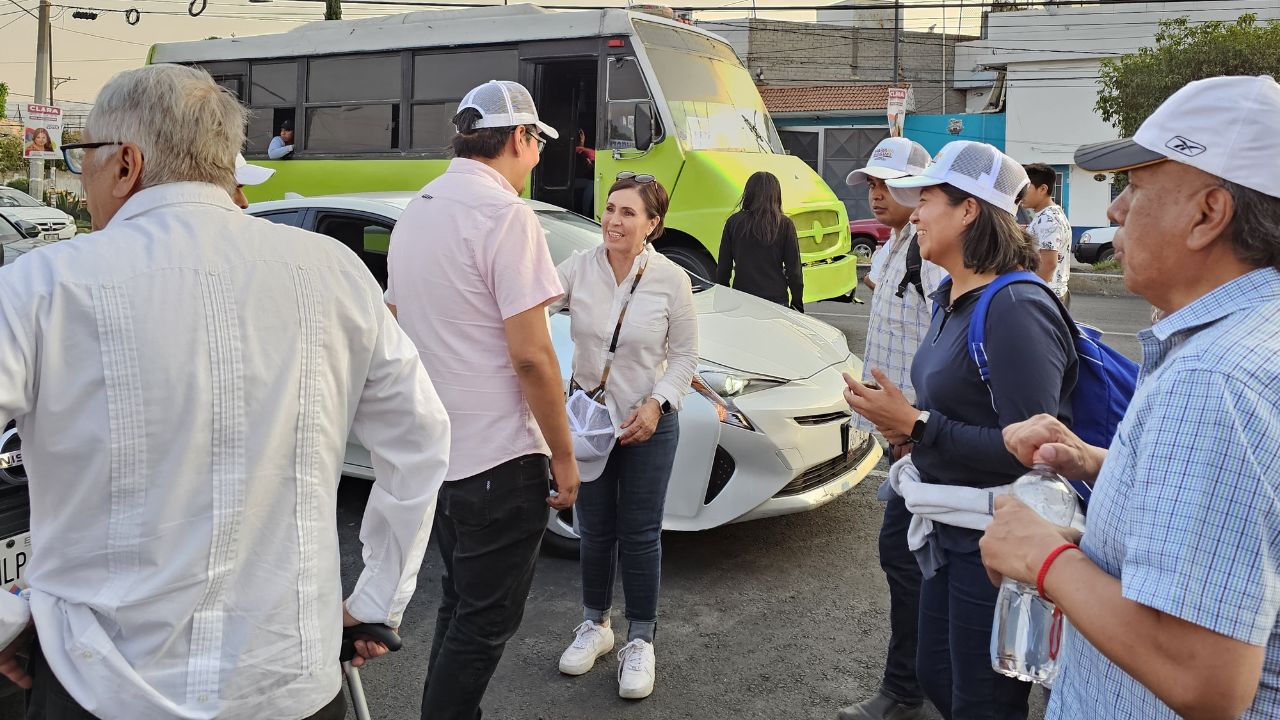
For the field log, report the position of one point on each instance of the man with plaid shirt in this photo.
(1174, 590)
(900, 312)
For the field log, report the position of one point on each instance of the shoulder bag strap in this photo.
(617, 330)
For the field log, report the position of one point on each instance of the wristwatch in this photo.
(917, 431)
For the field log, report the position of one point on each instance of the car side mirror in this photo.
(644, 127)
(28, 229)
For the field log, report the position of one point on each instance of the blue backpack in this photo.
(1105, 381)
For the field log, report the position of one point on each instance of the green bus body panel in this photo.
(710, 186)
(705, 189)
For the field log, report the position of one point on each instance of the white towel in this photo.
(957, 505)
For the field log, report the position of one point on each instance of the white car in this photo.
(763, 432)
(53, 223)
(1096, 245)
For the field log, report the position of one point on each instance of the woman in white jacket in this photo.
(623, 294)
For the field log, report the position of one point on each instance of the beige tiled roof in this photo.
(823, 98)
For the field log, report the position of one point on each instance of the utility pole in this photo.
(944, 57)
(897, 32)
(36, 173)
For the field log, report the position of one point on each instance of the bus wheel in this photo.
(699, 261)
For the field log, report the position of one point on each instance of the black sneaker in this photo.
(883, 707)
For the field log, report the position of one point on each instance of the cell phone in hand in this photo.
(551, 486)
(871, 385)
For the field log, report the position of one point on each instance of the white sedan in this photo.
(764, 430)
(53, 223)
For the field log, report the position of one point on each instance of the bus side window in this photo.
(626, 90)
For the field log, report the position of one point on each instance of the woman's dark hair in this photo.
(473, 142)
(654, 197)
(994, 243)
(762, 200)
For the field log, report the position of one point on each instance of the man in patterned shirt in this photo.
(1174, 592)
(1050, 229)
(899, 321)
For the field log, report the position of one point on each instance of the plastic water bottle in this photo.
(1027, 631)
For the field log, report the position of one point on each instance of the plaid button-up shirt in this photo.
(897, 324)
(1186, 511)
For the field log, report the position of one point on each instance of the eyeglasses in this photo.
(628, 175)
(532, 132)
(73, 153)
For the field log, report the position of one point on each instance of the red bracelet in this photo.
(1048, 561)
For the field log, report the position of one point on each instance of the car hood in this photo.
(35, 214)
(743, 332)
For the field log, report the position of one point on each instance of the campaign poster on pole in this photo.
(42, 133)
(896, 109)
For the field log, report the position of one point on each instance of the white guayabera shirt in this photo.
(184, 382)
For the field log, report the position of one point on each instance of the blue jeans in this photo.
(619, 514)
(953, 661)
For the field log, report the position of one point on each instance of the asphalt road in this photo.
(779, 619)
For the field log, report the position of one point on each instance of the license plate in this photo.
(14, 554)
(50, 237)
(10, 459)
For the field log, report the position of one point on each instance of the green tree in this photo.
(1133, 86)
(11, 155)
(332, 9)
(4, 98)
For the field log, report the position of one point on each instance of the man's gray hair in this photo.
(188, 127)
(1255, 225)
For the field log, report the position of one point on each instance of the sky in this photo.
(91, 51)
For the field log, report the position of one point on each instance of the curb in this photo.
(1099, 284)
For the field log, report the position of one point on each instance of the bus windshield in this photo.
(712, 99)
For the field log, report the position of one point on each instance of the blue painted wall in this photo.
(928, 130)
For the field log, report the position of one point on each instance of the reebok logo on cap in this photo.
(1190, 148)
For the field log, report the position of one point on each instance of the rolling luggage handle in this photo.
(363, 631)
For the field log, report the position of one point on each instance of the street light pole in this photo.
(35, 175)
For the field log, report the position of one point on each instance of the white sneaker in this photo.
(636, 670)
(592, 642)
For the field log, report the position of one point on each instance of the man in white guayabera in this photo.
(184, 379)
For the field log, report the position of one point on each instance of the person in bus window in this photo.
(759, 250)
(282, 145)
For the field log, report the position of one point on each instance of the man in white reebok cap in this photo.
(899, 321)
(247, 174)
(1174, 592)
(470, 276)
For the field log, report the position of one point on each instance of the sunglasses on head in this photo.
(628, 175)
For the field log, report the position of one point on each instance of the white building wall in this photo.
(1052, 57)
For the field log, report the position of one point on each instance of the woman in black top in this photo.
(759, 248)
(955, 430)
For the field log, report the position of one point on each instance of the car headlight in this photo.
(728, 383)
(1085, 239)
(719, 385)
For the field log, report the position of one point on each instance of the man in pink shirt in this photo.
(470, 276)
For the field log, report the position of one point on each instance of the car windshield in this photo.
(713, 99)
(16, 198)
(568, 233)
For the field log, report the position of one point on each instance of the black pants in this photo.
(48, 700)
(903, 574)
(488, 528)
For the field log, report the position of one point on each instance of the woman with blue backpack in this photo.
(965, 204)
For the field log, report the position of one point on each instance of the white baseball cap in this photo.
(247, 174)
(1226, 126)
(593, 434)
(976, 168)
(503, 103)
(894, 157)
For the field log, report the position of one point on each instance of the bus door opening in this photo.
(566, 97)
